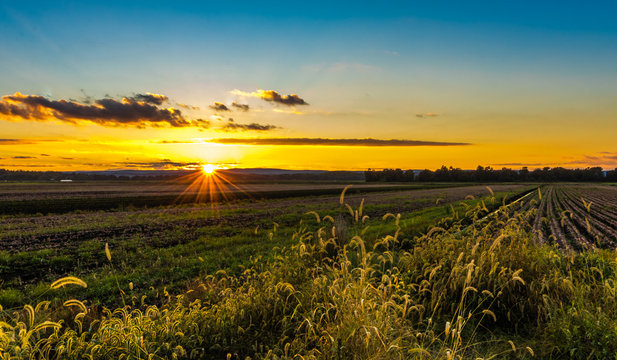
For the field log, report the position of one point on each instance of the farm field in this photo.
(577, 216)
(32, 198)
(225, 235)
(94, 189)
(441, 272)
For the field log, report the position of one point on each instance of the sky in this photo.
(307, 85)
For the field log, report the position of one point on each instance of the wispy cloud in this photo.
(217, 106)
(272, 96)
(231, 125)
(130, 111)
(188, 107)
(177, 142)
(289, 111)
(427, 115)
(520, 164)
(158, 164)
(241, 107)
(331, 142)
(15, 141)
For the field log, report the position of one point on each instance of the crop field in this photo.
(32, 198)
(577, 216)
(515, 271)
(39, 247)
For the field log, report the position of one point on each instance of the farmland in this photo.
(577, 216)
(428, 271)
(40, 247)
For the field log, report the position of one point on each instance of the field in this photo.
(39, 247)
(577, 216)
(427, 271)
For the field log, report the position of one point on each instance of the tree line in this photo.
(446, 174)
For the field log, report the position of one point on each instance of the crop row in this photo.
(576, 216)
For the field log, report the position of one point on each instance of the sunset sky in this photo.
(307, 85)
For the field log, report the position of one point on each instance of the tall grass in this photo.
(477, 287)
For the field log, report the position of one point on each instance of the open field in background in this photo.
(32, 198)
(515, 271)
(162, 246)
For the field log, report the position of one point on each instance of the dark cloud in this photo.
(217, 106)
(14, 141)
(156, 99)
(273, 96)
(333, 142)
(45, 155)
(25, 141)
(23, 157)
(67, 158)
(233, 126)
(292, 99)
(105, 112)
(241, 107)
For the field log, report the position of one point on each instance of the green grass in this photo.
(171, 258)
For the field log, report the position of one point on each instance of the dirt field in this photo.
(94, 189)
(578, 216)
(25, 233)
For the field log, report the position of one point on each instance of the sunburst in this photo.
(209, 185)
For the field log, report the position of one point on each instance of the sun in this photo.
(208, 169)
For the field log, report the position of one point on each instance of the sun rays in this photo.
(209, 185)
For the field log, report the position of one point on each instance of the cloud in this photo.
(177, 142)
(26, 165)
(273, 96)
(427, 115)
(104, 112)
(332, 142)
(14, 141)
(23, 157)
(45, 155)
(520, 164)
(603, 158)
(217, 106)
(151, 98)
(188, 107)
(289, 111)
(241, 107)
(160, 164)
(233, 126)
